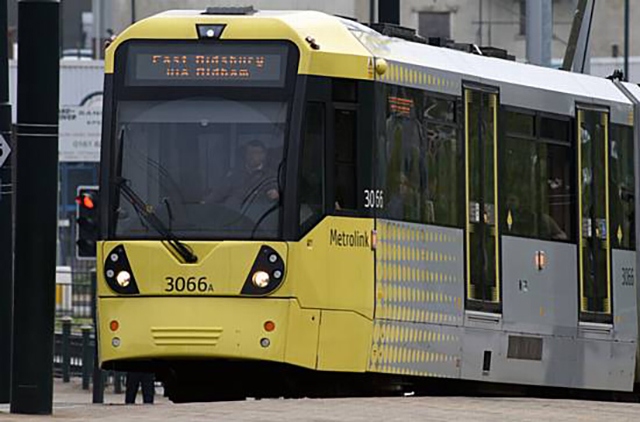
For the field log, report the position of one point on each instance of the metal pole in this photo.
(96, 8)
(98, 379)
(626, 40)
(133, 11)
(87, 356)
(539, 29)
(576, 27)
(6, 216)
(480, 25)
(490, 24)
(36, 213)
(66, 349)
(582, 62)
(372, 11)
(389, 11)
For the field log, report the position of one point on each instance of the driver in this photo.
(250, 182)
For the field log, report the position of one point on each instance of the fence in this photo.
(75, 343)
(74, 356)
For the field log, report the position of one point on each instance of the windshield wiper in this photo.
(146, 212)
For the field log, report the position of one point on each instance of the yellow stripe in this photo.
(605, 118)
(467, 95)
(583, 299)
(494, 98)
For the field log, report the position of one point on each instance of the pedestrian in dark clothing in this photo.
(134, 379)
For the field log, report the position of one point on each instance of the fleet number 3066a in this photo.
(188, 284)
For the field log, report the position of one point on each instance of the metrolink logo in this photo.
(355, 239)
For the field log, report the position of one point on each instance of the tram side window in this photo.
(444, 172)
(622, 188)
(312, 174)
(345, 160)
(420, 164)
(537, 186)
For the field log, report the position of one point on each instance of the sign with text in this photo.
(206, 64)
(5, 150)
(80, 129)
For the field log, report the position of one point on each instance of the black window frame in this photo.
(537, 139)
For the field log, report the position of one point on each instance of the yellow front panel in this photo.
(225, 265)
(345, 341)
(302, 337)
(205, 327)
(332, 267)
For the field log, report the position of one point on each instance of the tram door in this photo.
(482, 239)
(593, 208)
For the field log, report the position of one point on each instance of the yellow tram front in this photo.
(208, 249)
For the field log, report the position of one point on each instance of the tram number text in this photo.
(373, 198)
(188, 284)
(628, 276)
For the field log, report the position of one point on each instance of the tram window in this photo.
(520, 193)
(345, 159)
(208, 167)
(622, 188)
(537, 185)
(401, 168)
(439, 109)
(344, 90)
(520, 124)
(556, 192)
(443, 173)
(421, 166)
(312, 166)
(554, 129)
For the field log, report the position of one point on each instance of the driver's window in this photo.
(345, 160)
(312, 166)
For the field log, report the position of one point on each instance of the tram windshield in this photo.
(208, 168)
(199, 138)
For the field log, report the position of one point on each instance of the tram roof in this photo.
(450, 68)
(340, 54)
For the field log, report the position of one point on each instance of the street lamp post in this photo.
(626, 40)
(36, 206)
(6, 216)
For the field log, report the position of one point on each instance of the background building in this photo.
(500, 23)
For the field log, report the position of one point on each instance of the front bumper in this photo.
(166, 328)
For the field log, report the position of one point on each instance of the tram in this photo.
(292, 194)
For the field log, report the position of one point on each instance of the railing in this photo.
(75, 343)
(74, 356)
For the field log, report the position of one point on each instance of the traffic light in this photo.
(86, 222)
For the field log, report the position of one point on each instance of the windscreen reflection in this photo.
(209, 169)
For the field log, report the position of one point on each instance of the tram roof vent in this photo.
(397, 31)
(215, 10)
(471, 48)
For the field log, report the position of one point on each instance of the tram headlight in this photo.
(123, 278)
(260, 279)
(118, 273)
(266, 274)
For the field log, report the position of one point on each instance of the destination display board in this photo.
(206, 64)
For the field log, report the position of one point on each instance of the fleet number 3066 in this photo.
(188, 284)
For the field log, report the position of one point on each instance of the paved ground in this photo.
(73, 404)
